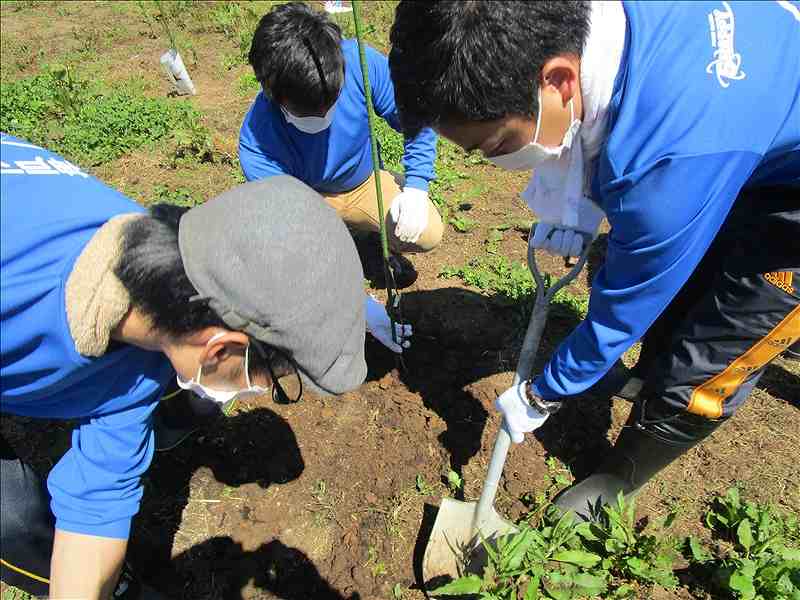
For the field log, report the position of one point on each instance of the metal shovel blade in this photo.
(452, 548)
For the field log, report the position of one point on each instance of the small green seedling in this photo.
(462, 223)
(454, 481)
(423, 487)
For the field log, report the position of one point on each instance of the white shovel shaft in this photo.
(530, 346)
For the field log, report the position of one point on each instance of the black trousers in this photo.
(26, 525)
(738, 311)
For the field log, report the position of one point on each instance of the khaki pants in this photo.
(358, 208)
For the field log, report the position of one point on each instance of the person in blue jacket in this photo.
(680, 123)
(310, 121)
(103, 303)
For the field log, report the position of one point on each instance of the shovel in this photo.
(459, 526)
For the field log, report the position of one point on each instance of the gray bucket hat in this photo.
(276, 262)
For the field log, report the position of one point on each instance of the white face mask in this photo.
(533, 154)
(310, 125)
(221, 396)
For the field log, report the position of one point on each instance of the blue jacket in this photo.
(339, 158)
(50, 210)
(706, 103)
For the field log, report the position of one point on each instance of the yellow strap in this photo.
(21, 571)
(707, 398)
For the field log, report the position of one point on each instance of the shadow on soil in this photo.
(461, 337)
(254, 447)
(274, 567)
(781, 383)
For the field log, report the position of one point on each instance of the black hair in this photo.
(296, 55)
(152, 271)
(477, 60)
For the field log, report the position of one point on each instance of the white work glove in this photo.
(561, 242)
(409, 211)
(519, 416)
(568, 241)
(379, 325)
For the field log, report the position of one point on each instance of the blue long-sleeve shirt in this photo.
(706, 103)
(337, 159)
(50, 211)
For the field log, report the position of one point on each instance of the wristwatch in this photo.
(546, 407)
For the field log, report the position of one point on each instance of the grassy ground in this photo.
(324, 499)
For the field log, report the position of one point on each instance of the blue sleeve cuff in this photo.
(419, 183)
(545, 392)
(119, 529)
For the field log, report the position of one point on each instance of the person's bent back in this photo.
(104, 302)
(310, 121)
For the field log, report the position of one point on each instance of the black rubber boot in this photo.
(645, 447)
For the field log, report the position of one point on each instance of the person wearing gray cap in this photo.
(104, 303)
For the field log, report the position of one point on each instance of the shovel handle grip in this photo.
(543, 296)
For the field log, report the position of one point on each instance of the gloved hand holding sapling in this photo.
(379, 325)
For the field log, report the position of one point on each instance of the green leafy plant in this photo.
(192, 143)
(628, 552)
(454, 481)
(563, 560)
(556, 479)
(463, 223)
(178, 196)
(237, 22)
(88, 127)
(511, 283)
(422, 486)
(390, 144)
(247, 85)
(534, 563)
(761, 560)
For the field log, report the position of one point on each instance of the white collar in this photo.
(600, 63)
(558, 190)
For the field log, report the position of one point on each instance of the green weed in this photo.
(454, 481)
(462, 223)
(237, 22)
(510, 282)
(86, 126)
(192, 143)
(376, 566)
(760, 559)
(12, 593)
(556, 479)
(247, 85)
(178, 196)
(423, 487)
(562, 560)
(390, 144)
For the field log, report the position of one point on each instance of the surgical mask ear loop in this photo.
(216, 336)
(539, 117)
(247, 366)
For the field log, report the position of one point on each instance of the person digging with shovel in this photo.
(310, 121)
(681, 125)
(105, 303)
